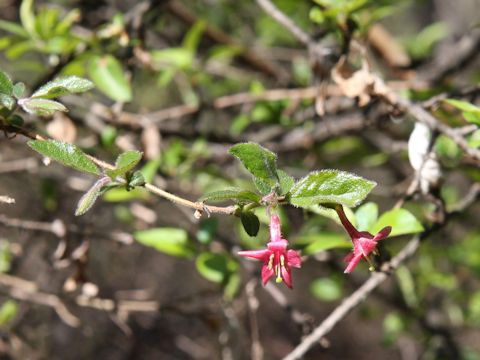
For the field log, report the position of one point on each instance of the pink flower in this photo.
(276, 258)
(363, 242)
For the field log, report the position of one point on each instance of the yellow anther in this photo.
(270, 262)
(282, 261)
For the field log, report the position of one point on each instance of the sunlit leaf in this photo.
(107, 73)
(62, 86)
(402, 222)
(171, 241)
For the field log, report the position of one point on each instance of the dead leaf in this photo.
(62, 128)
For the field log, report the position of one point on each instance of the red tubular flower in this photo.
(276, 258)
(363, 242)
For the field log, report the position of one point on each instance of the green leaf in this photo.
(18, 90)
(7, 101)
(89, 198)
(125, 162)
(13, 28)
(107, 73)
(135, 180)
(6, 85)
(326, 289)
(463, 105)
(8, 311)
(63, 86)
(171, 241)
(193, 36)
(401, 220)
(366, 216)
(250, 223)
(312, 244)
(286, 182)
(239, 195)
(41, 107)
(207, 230)
(27, 17)
(215, 267)
(260, 162)
(64, 153)
(472, 117)
(330, 186)
(178, 58)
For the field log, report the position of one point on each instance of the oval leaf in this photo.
(125, 162)
(260, 162)
(366, 216)
(250, 223)
(107, 73)
(64, 153)
(402, 222)
(41, 107)
(171, 241)
(62, 86)
(330, 186)
(6, 85)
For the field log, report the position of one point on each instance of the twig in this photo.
(252, 301)
(199, 206)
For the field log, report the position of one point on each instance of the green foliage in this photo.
(238, 195)
(326, 289)
(315, 243)
(89, 198)
(421, 44)
(171, 241)
(8, 312)
(41, 107)
(401, 220)
(260, 162)
(125, 162)
(66, 154)
(207, 230)
(108, 75)
(5, 256)
(366, 216)
(250, 222)
(63, 86)
(330, 186)
(6, 85)
(470, 112)
(215, 267)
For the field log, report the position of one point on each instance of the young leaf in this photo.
(6, 85)
(89, 198)
(7, 101)
(330, 186)
(260, 162)
(215, 267)
(463, 105)
(62, 86)
(125, 162)
(107, 73)
(18, 90)
(41, 107)
(231, 194)
(286, 182)
(137, 179)
(401, 220)
(64, 153)
(250, 223)
(171, 241)
(27, 17)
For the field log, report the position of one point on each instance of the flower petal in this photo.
(365, 246)
(287, 277)
(280, 245)
(266, 274)
(294, 259)
(382, 234)
(275, 230)
(349, 257)
(352, 263)
(256, 254)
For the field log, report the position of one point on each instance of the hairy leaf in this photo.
(63, 86)
(64, 153)
(6, 85)
(125, 162)
(330, 186)
(41, 107)
(88, 199)
(260, 162)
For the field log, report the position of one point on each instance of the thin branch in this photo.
(199, 206)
